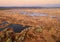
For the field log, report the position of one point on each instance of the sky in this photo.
(30, 3)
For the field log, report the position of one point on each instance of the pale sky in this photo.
(27, 2)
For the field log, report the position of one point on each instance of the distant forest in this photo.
(4, 8)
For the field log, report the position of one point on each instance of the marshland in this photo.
(30, 25)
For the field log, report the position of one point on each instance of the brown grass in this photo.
(44, 29)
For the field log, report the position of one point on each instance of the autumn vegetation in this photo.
(34, 29)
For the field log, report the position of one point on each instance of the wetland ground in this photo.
(30, 25)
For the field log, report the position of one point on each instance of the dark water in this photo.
(4, 23)
(16, 27)
(2, 29)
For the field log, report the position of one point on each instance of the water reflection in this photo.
(52, 16)
(33, 14)
(39, 14)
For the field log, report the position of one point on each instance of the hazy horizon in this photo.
(30, 3)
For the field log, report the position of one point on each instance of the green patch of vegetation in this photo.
(9, 40)
(39, 29)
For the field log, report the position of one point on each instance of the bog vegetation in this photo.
(16, 27)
